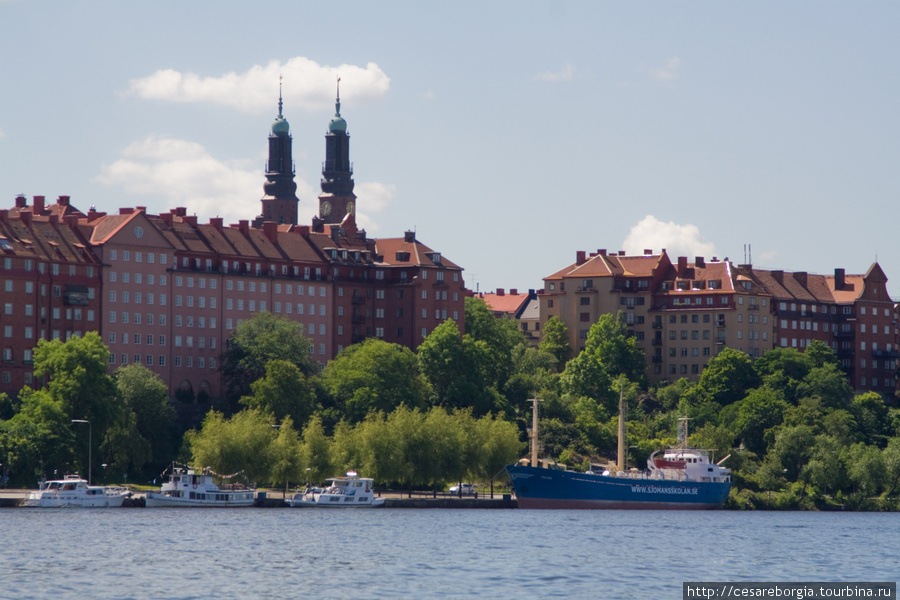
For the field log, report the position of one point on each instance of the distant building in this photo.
(167, 291)
(682, 314)
(523, 308)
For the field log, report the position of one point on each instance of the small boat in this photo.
(73, 491)
(341, 492)
(184, 487)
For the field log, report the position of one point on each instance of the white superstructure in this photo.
(342, 492)
(73, 491)
(184, 487)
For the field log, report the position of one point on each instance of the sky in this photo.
(507, 134)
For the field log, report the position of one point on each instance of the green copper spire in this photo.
(338, 124)
(280, 126)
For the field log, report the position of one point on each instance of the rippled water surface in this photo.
(428, 553)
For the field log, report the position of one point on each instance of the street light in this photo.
(89, 444)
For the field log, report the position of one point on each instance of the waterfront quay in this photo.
(274, 499)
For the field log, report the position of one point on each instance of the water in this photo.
(428, 553)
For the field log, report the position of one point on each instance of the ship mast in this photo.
(534, 431)
(621, 457)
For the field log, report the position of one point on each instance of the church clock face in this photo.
(350, 208)
(326, 208)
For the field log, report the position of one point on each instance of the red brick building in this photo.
(167, 291)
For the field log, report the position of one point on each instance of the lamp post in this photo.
(89, 444)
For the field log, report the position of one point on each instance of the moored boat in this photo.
(73, 491)
(184, 487)
(683, 478)
(341, 492)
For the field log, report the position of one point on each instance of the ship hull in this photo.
(557, 489)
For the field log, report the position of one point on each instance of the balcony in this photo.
(886, 353)
(358, 299)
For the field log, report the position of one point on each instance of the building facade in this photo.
(683, 313)
(168, 291)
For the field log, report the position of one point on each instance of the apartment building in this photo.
(683, 313)
(167, 291)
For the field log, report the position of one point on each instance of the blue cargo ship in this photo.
(683, 479)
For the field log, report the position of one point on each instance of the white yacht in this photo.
(73, 491)
(184, 487)
(342, 492)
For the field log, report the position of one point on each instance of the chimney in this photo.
(21, 202)
(71, 221)
(25, 215)
(63, 201)
(409, 237)
(682, 265)
(514, 292)
(142, 209)
(501, 292)
(166, 218)
(125, 211)
(700, 262)
(648, 251)
(270, 229)
(303, 230)
(54, 221)
(4, 215)
(602, 251)
(38, 205)
(191, 220)
(216, 223)
(579, 258)
(800, 276)
(179, 211)
(244, 226)
(621, 253)
(839, 279)
(778, 276)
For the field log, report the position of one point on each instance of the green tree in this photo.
(555, 341)
(609, 342)
(286, 455)
(284, 392)
(253, 344)
(727, 377)
(144, 394)
(498, 445)
(499, 337)
(761, 410)
(783, 369)
(826, 469)
(77, 375)
(792, 449)
(316, 451)
(866, 468)
(240, 443)
(374, 376)
(872, 416)
(38, 439)
(829, 384)
(456, 368)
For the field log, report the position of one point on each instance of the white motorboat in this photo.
(73, 491)
(184, 487)
(341, 492)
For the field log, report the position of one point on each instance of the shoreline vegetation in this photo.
(458, 408)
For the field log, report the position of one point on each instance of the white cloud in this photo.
(182, 173)
(678, 240)
(306, 84)
(372, 197)
(669, 70)
(567, 73)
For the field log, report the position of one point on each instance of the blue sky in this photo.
(509, 135)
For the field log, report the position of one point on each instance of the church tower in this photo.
(280, 201)
(337, 199)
